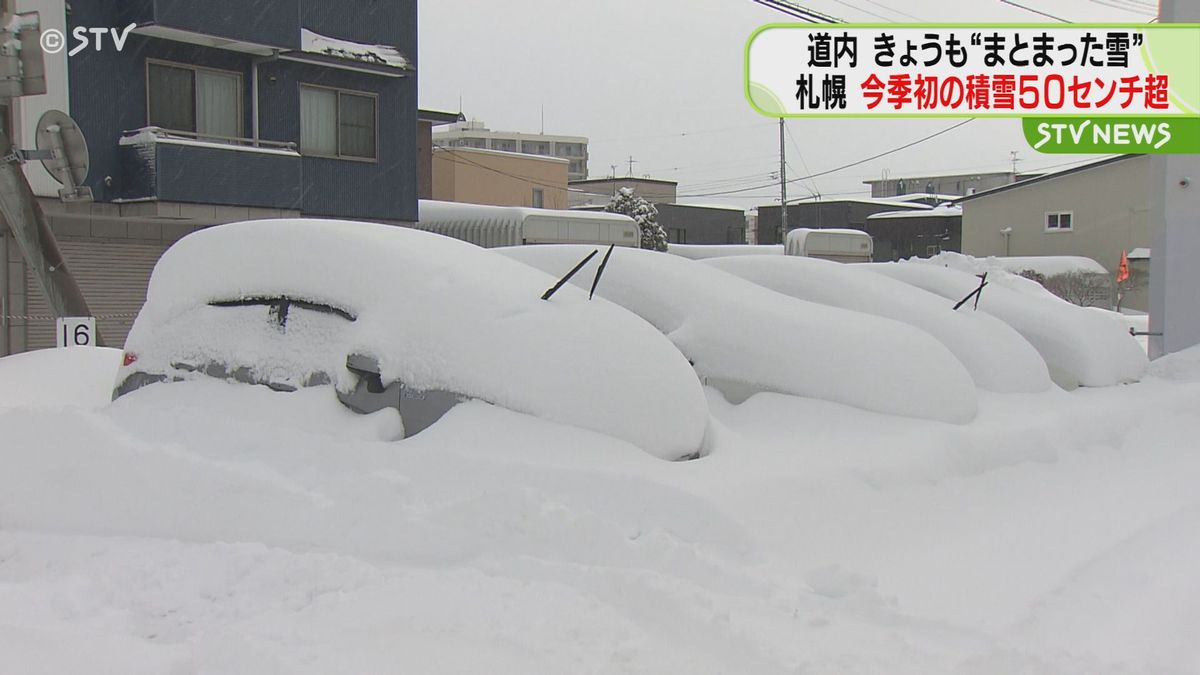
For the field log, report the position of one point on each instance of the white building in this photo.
(473, 134)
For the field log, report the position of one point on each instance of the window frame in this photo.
(241, 99)
(338, 123)
(1058, 219)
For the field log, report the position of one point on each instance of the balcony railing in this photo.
(206, 169)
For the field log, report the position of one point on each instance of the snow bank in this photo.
(997, 357)
(1048, 265)
(1080, 345)
(702, 251)
(743, 338)
(435, 312)
(74, 376)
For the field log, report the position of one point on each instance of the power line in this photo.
(1035, 11)
(1123, 8)
(529, 179)
(812, 184)
(844, 166)
(895, 11)
(799, 11)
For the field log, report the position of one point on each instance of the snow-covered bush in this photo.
(644, 213)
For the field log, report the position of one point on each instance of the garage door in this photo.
(112, 275)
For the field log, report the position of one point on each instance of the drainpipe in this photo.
(1007, 232)
(4, 348)
(254, 94)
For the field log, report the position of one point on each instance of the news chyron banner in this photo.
(1078, 88)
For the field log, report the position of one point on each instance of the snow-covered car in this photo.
(997, 357)
(395, 317)
(744, 339)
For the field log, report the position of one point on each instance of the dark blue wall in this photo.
(108, 96)
(266, 22)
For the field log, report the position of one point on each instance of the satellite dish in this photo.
(64, 153)
(59, 134)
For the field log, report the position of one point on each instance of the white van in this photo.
(494, 226)
(831, 244)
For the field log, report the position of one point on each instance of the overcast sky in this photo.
(661, 81)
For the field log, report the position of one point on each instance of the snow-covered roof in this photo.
(864, 200)
(1138, 254)
(433, 211)
(381, 55)
(915, 196)
(434, 312)
(940, 211)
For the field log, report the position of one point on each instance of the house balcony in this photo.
(169, 166)
(259, 27)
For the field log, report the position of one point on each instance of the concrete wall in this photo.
(817, 215)
(701, 225)
(498, 178)
(1110, 207)
(920, 236)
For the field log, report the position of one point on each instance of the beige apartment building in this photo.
(475, 176)
(1096, 210)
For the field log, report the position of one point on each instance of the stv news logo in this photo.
(53, 41)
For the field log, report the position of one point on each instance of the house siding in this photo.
(1110, 206)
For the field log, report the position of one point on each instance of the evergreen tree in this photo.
(644, 214)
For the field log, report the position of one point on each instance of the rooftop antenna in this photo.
(1013, 155)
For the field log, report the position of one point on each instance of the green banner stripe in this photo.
(1113, 135)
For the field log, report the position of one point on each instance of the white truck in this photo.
(494, 226)
(842, 245)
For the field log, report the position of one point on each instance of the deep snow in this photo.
(204, 527)
(437, 313)
(744, 338)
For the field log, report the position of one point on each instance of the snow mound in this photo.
(436, 313)
(702, 251)
(995, 355)
(743, 338)
(1082, 347)
(74, 376)
(1047, 265)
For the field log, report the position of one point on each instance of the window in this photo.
(1058, 221)
(539, 198)
(337, 123)
(202, 101)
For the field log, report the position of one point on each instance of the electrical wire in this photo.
(468, 160)
(1035, 11)
(844, 166)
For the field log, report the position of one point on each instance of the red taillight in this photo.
(130, 357)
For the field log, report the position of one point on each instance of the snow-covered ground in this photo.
(205, 527)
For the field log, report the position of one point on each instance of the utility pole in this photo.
(21, 74)
(1175, 232)
(783, 223)
(1013, 155)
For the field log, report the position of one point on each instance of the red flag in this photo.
(1123, 269)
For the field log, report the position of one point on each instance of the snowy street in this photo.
(207, 527)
